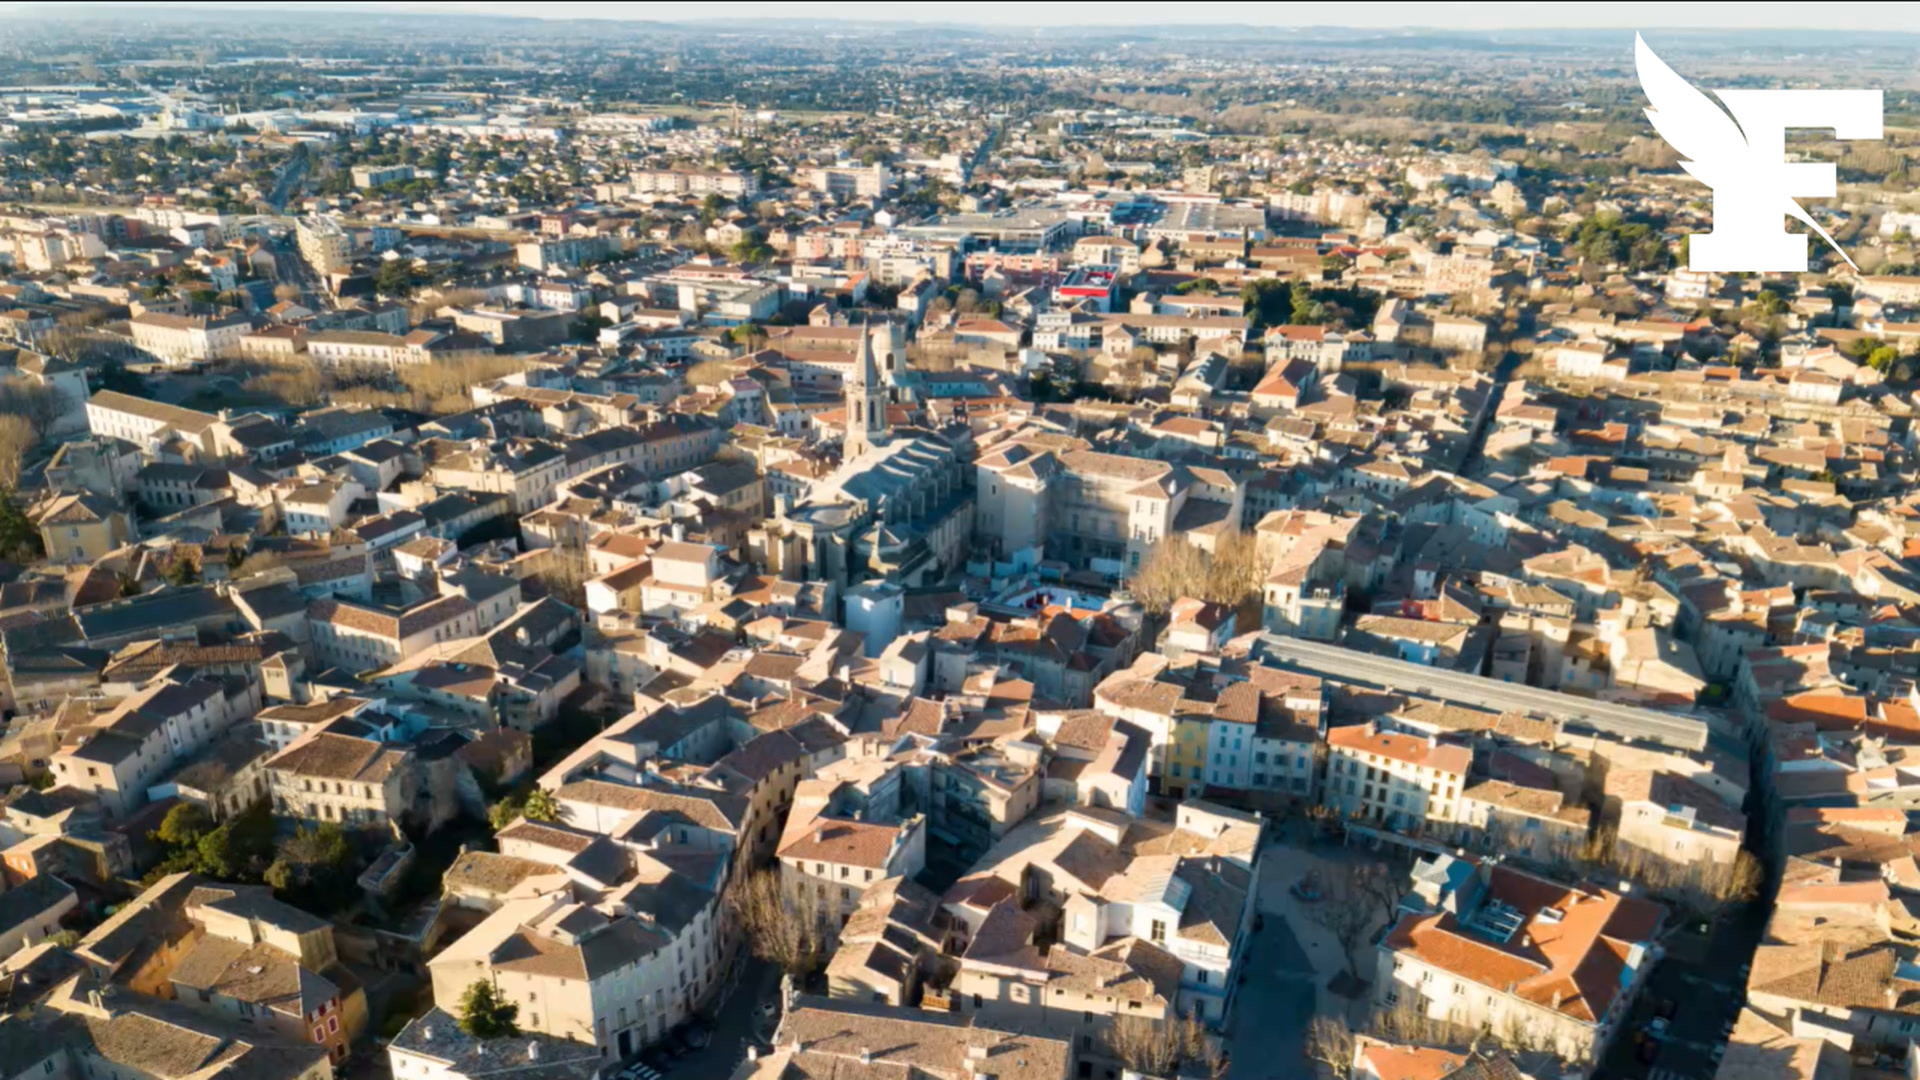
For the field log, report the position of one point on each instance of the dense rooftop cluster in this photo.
(491, 578)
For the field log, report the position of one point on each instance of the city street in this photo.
(737, 1023)
(1268, 1035)
(1707, 989)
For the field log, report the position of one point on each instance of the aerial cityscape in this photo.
(725, 542)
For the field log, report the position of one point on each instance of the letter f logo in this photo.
(1742, 157)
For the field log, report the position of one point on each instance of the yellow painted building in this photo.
(1186, 754)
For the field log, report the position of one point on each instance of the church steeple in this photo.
(866, 400)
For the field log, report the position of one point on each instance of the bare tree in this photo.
(1175, 569)
(564, 570)
(1343, 914)
(1330, 1042)
(1159, 1047)
(709, 373)
(36, 403)
(1379, 884)
(16, 438)
(1406, 1022)
(787, 930)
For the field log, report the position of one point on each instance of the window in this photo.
(1202, 978)
(1159, 932)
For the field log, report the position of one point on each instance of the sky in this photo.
(1456, 16)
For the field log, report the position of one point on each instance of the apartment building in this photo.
(826, 862)
(847, 182)
(732, 185)
(1406, 782)
(188, 339)
(1075, 986)
(80, 527)
(1673, 818)
(1103, 512)
(129, 748)
(143, 422)
(1490, 947)
(83, 1029)
(360, 638)
(524, 470)
(887, 946)
(549, 254)
(257, 959)
(323, 243)
(1186, 887)
(343, 774)
(432, 1047)
(1534, 823)
(614, 975)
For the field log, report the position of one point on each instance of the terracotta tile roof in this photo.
(1411, 749)
(850, 843)
(1567, 953)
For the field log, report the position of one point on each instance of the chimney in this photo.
(820, 834)
(976, 1053)
(95, 999)
(866, 1056)
(533, 1051)
(522, 637)
(753, 1053)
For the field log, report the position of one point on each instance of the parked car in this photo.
(639, 1070)
(770, 1008)
(697, 1036)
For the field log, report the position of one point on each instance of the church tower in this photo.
(866, 401)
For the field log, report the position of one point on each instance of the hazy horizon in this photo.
(1382, 16)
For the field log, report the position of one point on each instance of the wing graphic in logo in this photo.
(1701, 132)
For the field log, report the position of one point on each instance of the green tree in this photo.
(318, 863)
(19, 537)
(1266, 301)
(218, 854)
(183, 572)
(1303, 310)
(484, 1014)
(395, 278)
(183, 825)
(1861, 347)
(502, 813)
(1882, 358)
(541, 806)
